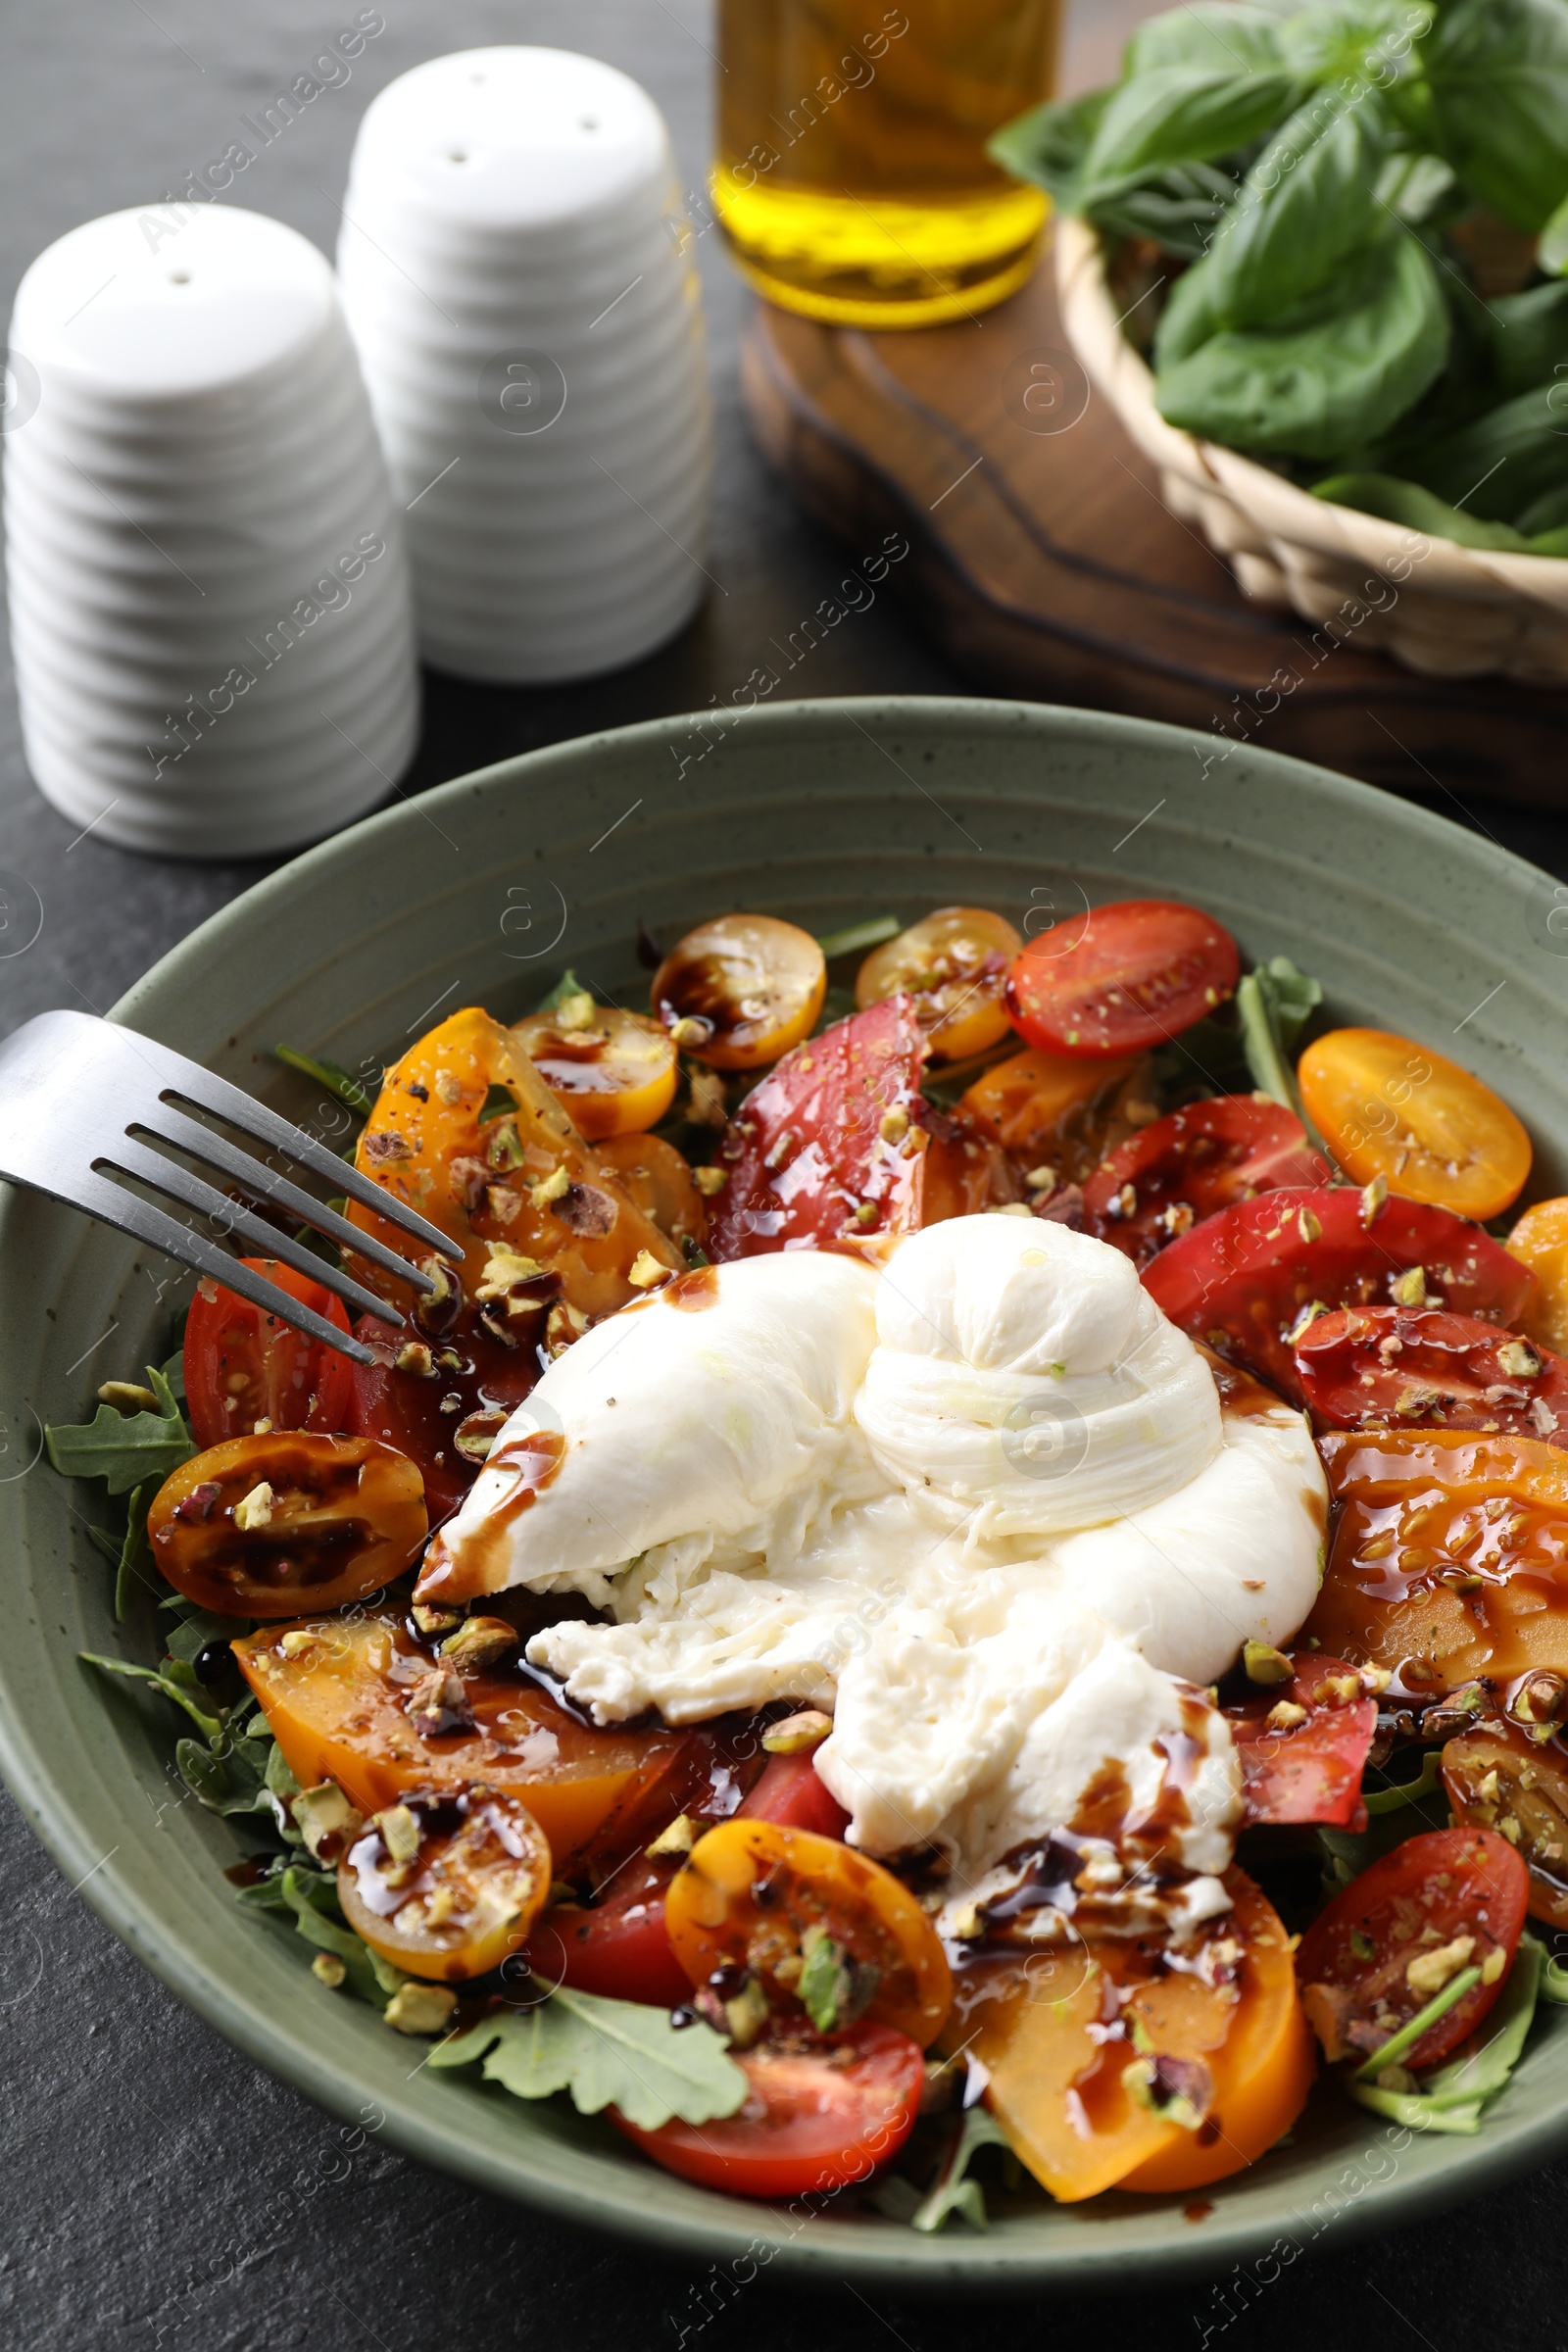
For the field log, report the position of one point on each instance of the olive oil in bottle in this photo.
(852, 178)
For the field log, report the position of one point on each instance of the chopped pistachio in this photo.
(1374, 1198)
(293, 1645)
(474, 1445)
(255, 1510)
(435, 1621)
(1410, 1289)
(1337, 1690)
(1264, 1664)
(479, 1641)
(416, 2008)
(323, 1812)
(574, 1012)
(1042, 1179)
(678, 1839)
(415, 1356)
(708, 1106)
(400, 1832)
(1518, 1359)
(1374, 1679)
(1308, 1225)
(797, 1732)
(553, 1187)
(449, 1088)
(127, 1396)
(1285, 1715)
(710, 1181)
(747, 2015)
(1305, 1322)
(690, 1032)
(329, 1969)
(1428, 1972)
(1493, 1966)
(895, 1124)
(505, 1265)
(644, 1270)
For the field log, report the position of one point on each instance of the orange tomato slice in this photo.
(738, 993)
(1388, 1108)
(523, 1175)
(751, 1891)
(1540, 1240)
(341, 1699)
(615, 1071)
(1048, 1107)
(445, 1883)
(1066, 2094)
(954, 964)
(1451, 1557)
(659, 1180)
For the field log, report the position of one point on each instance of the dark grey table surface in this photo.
(145, 2163)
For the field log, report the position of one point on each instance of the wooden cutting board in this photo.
(1044, 563)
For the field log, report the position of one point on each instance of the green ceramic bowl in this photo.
(484, 891)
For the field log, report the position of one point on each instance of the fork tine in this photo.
(167, 1176)
(253, 1118)
(188, 1135)
(112, 1205)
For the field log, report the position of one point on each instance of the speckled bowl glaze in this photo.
(484, 891)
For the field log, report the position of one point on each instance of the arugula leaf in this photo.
(1335, 372)
(1451, 2098)
(133, 1551)
(499, 1103)
(952, 2191)
(1400, 1793)
(230, 1779)
(1306, 206)
(311, 1896)
(606, 2053)
(336, 1080)
(568, 985)
(125, 1449)
(1273, 1005)
(1497, 74)
(1554, 1982)
(856, 938)
(210, 1726)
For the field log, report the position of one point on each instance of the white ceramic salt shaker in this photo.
(211, 616)
(520, 282)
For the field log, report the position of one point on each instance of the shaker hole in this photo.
(458, 155)
(588, 123)
(179, 277)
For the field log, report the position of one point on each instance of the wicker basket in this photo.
(1445, 611)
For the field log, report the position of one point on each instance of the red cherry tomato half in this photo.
(1381, 1367)
(472, 1386)
(791, 1793)
(827, 1153)
(618, 1946)
(243, 1366)
(1136, 974)
(1242, 1280)
(1172, 1175)
(1450, 1895)
(1307, 1770)
(820, 2115)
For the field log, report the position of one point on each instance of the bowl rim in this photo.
(1138, 2251)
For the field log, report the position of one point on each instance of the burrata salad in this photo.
(959, 1589)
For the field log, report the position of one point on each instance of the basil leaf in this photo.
(1528, 338)
(1179, 211)
(1336, 371)
(606, 2053)
(1498, 73)
(1181, 115)
(1495, 467)
(1048, 145)
(337, 1081)
(1552, 249)
(1306, 206)
(1213, 36)
(952, 2191)
(125, 1449)
(1357, 42)
(1384, 495)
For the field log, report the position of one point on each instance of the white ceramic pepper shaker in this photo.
(209, 605)
(519, 281)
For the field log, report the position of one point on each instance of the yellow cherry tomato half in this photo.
(740, 992)
(660, 1181)
(954, 964)
(615, 1071)
(447, 1882)
(1540, 1240)
(1388, 1108)
(756, 1897)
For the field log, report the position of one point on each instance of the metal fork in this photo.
(78, 1095)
